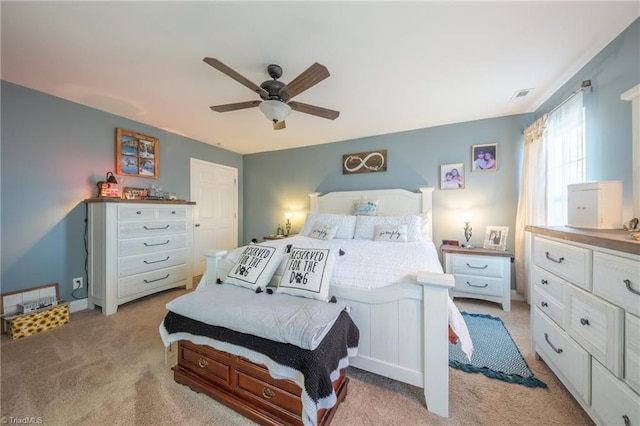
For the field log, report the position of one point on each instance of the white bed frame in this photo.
(403, 327)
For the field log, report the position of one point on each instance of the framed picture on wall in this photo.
(452, 176)
(484, 158)
(136, 154)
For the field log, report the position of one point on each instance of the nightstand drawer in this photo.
(479, 285)
(485, 266)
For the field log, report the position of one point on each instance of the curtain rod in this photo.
(584, 86)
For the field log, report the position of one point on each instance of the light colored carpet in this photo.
(100, 370)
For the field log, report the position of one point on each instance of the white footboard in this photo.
(403, 330)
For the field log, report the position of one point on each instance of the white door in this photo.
(214, 188)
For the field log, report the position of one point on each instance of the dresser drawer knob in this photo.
(477, 267)
(544, 304)
(557, 350)
(559, 260)
(202, 363)
(544, 282)
(584, 321)
(628, 284)
(626, 420)
(478, 286)
(268, 393)
(138, 212)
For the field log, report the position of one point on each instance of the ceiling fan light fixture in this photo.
(275, 111)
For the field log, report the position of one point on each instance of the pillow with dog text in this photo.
(307, 273)
(255, 266)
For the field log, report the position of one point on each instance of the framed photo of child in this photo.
(452, 176)
(496, 237)
(484, 158)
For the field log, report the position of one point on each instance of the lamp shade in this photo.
(275, 110)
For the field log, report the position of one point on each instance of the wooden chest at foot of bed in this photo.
(246, 387)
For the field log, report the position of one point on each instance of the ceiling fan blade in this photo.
(236, 76)
(307, 79)
(279, 125)
(235, 106)
(314, 110)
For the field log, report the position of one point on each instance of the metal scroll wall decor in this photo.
(364, 162)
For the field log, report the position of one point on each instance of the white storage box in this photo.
(595, 205)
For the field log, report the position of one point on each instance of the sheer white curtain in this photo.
(531, 203)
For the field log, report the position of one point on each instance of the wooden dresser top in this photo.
(124, 201)
(613, 239)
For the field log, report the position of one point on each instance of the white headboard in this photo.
(390, 202)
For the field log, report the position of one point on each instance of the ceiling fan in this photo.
(276, 96)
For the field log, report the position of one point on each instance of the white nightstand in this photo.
(480, 273)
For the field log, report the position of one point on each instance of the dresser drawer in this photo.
(142, 284)
(136, 212)
(479, 285)
(212, 365)
(613, 402)
(134, 246)
(549, 305)
(632, 351)
(597, 325)
(549, 283)
(617, 279)
(485, 266)
(151, 262)
(171, 212)
(568, 262)
(563, 355)
(151, 228)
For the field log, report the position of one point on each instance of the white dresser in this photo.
(585, 317)
(136, 248)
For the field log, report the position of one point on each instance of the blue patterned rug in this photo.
(495, 354)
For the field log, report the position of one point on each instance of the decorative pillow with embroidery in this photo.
(364, 207)
(255, 266)
(346, 224)
(307, 273)
(392, 233)
(365, 226)
(323, 231)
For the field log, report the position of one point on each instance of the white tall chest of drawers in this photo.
(136, 248)
(585, 317)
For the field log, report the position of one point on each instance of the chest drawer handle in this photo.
(560, 260)
(138, 212)
(156, 261)
(546, 337)
(544, 282)
(202, 363)
(626, 420)
(155, 229)
(477, 267)
(158, 244)
(478, 286)
(628, 284)
(158, 279)
(544, 304)
(268, 393)
(584, 321)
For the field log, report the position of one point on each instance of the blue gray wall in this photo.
(53, 153)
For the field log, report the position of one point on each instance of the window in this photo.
(566, 156)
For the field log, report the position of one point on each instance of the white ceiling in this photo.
(394, 66)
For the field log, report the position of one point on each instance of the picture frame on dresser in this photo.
(496, 237)
(137, 154)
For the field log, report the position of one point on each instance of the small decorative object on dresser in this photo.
(595, 205)
(496, 237)
(480, 273)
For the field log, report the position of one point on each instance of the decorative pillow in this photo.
(365, 226)
(255, 266)
(364, 207)
(346, 224)
(323, 231)
(392, 233)
(307, 273)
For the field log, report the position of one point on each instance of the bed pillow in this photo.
(364, 207)
(307, 273)
(365, 226)
(392, 233)
(255, 266)
(323, 231)
(346, 224)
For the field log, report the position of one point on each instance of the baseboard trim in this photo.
(79, 305)
(517, 296)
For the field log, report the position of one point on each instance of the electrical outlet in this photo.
(77, 283)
